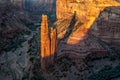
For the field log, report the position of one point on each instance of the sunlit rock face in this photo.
(45, 42)
(97, 18)
(86, 12)
(83, 8)
(53, 43)
(48, 43)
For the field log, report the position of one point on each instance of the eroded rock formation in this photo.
(53, 43)
(86, 11)
(89, 33)
(83, 8)
(48, 43)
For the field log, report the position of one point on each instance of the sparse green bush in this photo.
(106, 73)
(32, 59)
(37, 78)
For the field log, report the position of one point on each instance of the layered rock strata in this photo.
(48, 43)
(88, 16)
(86, 11)
(82, 7)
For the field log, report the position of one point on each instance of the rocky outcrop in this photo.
(18, 3)
(14, 37)
(86, 12)
(48, 43)
(53, 43)
(45, 42)
(92, 17)
(83, 8)
(11, 24)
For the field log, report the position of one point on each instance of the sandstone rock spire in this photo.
(48, 43)
(53, 42)
(45, 42)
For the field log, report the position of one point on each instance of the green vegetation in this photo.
(64, 60)
(31, 26)
(97, 58)
(27, 32)
(65, 63)
(34, 45)
(32, 59)
(13, 44)
(36, 71)
(107, 73)
(37, 78)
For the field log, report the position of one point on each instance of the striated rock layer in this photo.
(48, 43)
(86, 11)
(88, 35)
(82, 7)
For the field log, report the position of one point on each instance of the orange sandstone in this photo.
(86, 10)
(48, 43)
(53, 42)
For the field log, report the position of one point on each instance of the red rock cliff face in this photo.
(48, 44)
(84, 8)
(86, 12)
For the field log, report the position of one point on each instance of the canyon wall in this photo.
(13, 41)
(93, 17)
(86, 12)
(48, 43)
(83, 8)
